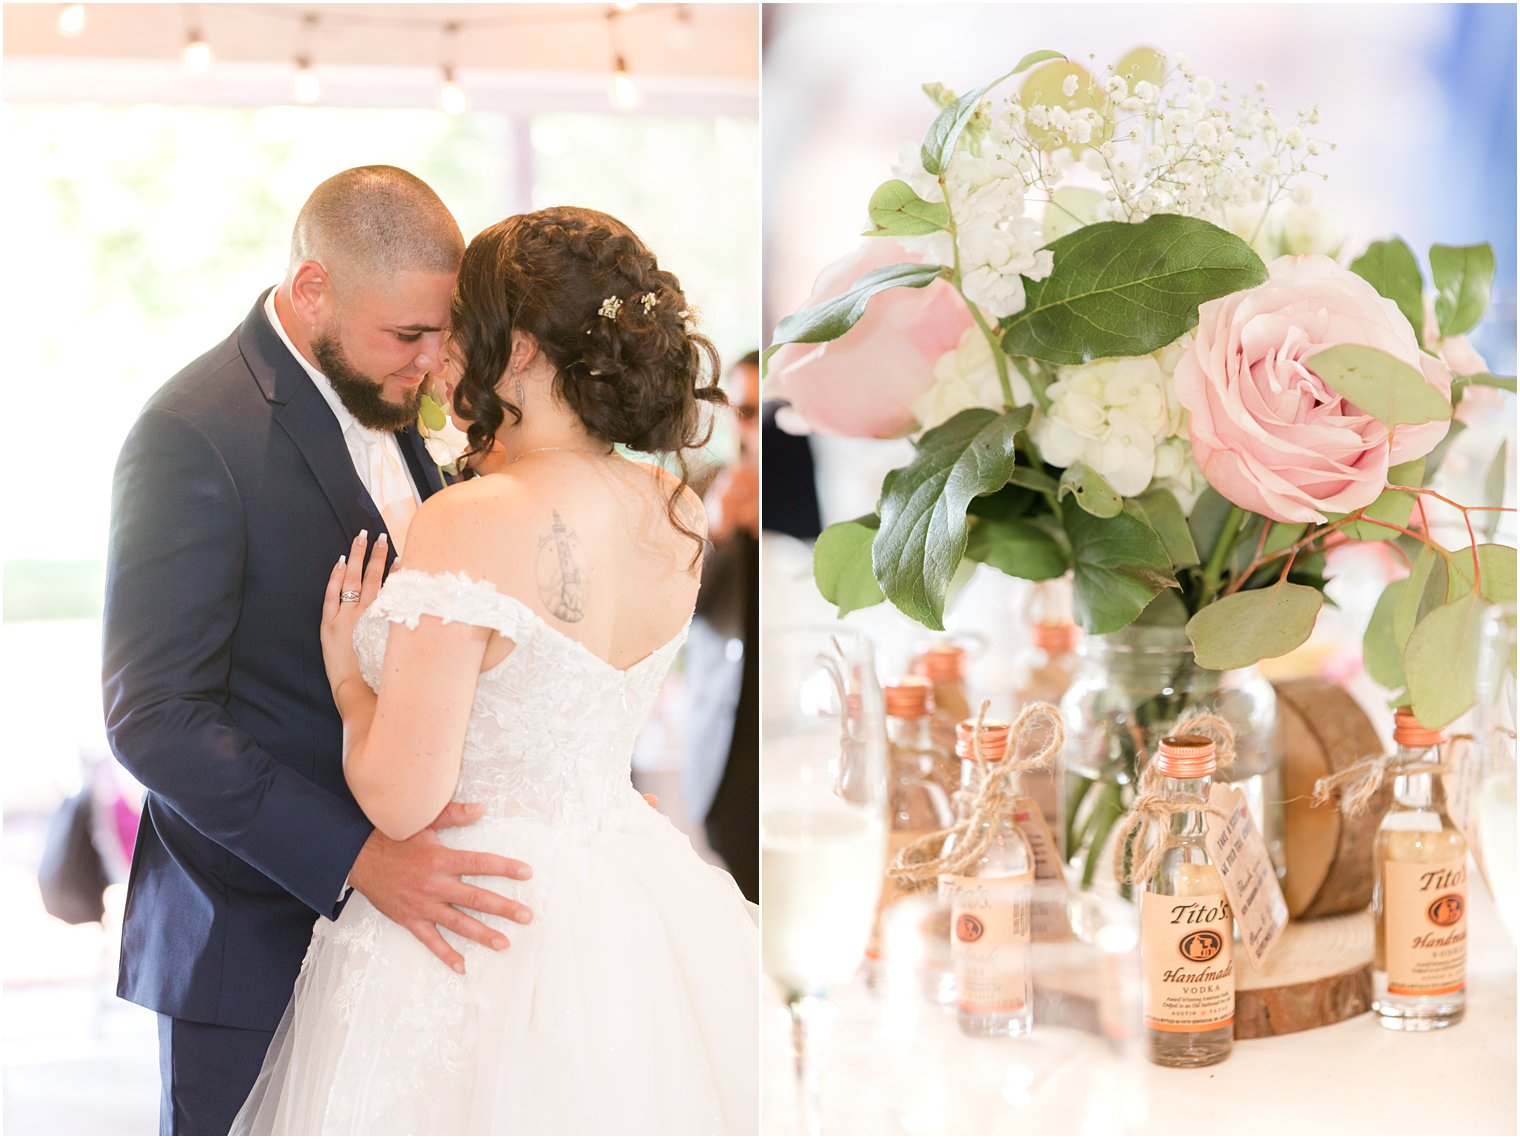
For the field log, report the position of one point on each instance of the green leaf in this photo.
(1441, 661)
(939, 143)
(898, 212)
(1093, 492)
(1126, 290)
(1254, 625)
(1424, 589)
(1162, 511)
(1497, 565)
(1166, 608)
(923, 506)
(1389, 390)
(1494, 483)
(1018, 548)
(1118, 565)
(1282, 535)
(1047, 85)
(1207, 521)
(1390, 268)
(1382, 654)
(1391, 506)
(1003, 504)
(431, 413)
(832, 318)
(1436, 457)
(1139, 63)
(1482, 379)
(1463, 276)
(842, 565)
(1034, 480)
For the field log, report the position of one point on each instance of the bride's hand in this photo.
(350, 589)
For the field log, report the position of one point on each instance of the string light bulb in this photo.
(197, 53)
(451, 95)
(306, 87)
(71, 20)
(625, 92)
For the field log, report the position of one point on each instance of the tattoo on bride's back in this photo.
(561, 572)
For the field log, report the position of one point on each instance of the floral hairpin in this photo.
(610, 308)
(691, 314)
(649, 300)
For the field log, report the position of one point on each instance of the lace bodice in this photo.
(552, 731)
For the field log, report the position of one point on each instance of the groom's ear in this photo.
(311, 293)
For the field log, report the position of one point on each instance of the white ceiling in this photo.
(518, 58)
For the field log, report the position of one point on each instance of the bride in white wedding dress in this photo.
(511, 663)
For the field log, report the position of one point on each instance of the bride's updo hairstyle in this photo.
(616, 327)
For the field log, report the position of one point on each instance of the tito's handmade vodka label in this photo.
(1188, 950)
(989, 942)
(1425, 907)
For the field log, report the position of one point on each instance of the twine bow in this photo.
(1152, 811)
(923, 860)
(1359, 784)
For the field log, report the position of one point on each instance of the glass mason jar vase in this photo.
(1131, 688)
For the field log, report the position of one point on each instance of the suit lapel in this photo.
(425, 474)
(303, 414)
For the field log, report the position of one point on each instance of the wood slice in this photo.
(1328, 857)
(1319, 973)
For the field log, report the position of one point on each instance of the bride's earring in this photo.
(517, 392)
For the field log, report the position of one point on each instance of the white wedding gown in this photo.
(627, 1006)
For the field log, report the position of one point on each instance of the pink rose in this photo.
(1267, 433)
(866, 382)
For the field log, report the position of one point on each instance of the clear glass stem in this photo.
(811, 1015)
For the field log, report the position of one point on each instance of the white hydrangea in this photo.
(998, 244)
(966, 377)
(1119, 416)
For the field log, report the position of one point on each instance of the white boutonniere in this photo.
(445, 443)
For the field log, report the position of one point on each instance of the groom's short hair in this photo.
(376, 221)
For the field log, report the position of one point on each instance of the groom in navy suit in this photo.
(243, 480)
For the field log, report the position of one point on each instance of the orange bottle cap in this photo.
(1056, 639)
(943, 661)
(994, 737)
(1409, 732)
(908, 697)
(1186, 757)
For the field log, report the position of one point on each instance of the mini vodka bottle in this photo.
(1419, 895)
(1045, 668)
(916, 804)
(943, 663)
(1186, 926)
(990, 906)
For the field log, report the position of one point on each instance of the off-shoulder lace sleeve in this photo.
(410, 595)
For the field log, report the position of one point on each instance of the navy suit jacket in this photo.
(234, 495)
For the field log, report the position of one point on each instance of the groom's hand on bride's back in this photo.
(416, 883)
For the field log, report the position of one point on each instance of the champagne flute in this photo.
(822, 825)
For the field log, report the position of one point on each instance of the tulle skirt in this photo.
(627, 1006)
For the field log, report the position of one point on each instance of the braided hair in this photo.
(616, 327)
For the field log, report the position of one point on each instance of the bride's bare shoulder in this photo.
(687, 504)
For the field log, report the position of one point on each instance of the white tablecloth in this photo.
(1353, 1078)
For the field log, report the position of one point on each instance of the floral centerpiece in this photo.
(1123, 346)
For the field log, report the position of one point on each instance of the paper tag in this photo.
(1460, 785)
(1240, 855)
(1042, 844)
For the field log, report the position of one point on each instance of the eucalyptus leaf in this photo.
(923, 506)
(1496, 563)
(1483, 380)
(1425, 590)
(1282, 535)
(1162, 511)
(1126, 290)
(1018, 548)
(1093, 492)
(897, 211)
(832, 318)
(1386, 388)
(1463, 276)
(1119, 564)
(1494, 483)
(431, 413)
(842, 565)
(1441, 661)
(1207, 521)
(939, 144)
(1382, 654)
(1392, 506)
(1390, 268)
(1047, 85)
(1254, 625)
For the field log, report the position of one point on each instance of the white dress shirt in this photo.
(376, 455)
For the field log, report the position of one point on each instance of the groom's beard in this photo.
(362, 396)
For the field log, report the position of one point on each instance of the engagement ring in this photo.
(348, 595)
